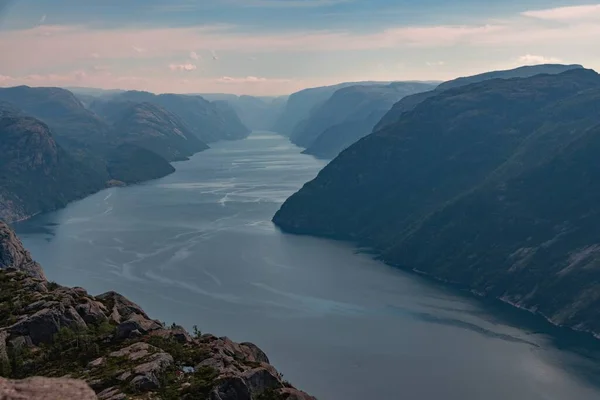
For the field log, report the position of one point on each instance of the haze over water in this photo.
(198, 248)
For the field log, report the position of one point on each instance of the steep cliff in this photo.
(151, 127)
(210, 122)
(36, 174)
(492, 186)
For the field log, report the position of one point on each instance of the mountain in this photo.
(210, 122)
(73, 125)
(111, 344)
(36, 174)
(492, 186)
(257, 113)
(409, 102)
(349, 114)
(300, 104)
(129, 163)
(151, 127)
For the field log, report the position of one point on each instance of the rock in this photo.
(255, 353)
(157, 364)
(178, 334)
(145, 383)
(98, 362)
(260, 379)
(14, 255)
(44, 324)
(295, 394)
(136, 351)
(112, 393)
(120, 308)
(231, 388)
(45, 389)
(137, 323)
(92, 312)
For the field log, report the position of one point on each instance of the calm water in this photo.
(198, 247)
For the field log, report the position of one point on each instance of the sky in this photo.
(273, 47)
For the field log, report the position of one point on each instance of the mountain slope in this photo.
(492, 186)
(300, 104)
(409, 102)
(150, 127)
(36, 174)
(210, 122)
(349, 114)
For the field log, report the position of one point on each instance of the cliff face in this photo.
(110, 343)
(13, 254)
(36, 174)
(151, 127)
(492, 186)
(210, 122)
(348, 115)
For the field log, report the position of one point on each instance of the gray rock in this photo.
(44, 324)
(145, 383)
(92, 312)
(231, 388)
(256, 354)
(45, 389)
(120, 308)
(112, 393)
(13, 254)
(260, 379)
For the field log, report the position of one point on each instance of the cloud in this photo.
(95, 55)
(530, 59)
(214, 55)
(194, 55)
(435, 63)
(138, 49)
(565, 14)
(249, 79)
(183, 67)
(43, 19)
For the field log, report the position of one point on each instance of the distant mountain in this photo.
(133, 164)
(300, 104)
(349, 114)
(493, 186)
(36, 174)
(72, 124)
(257, 113)
(409, 102)
(210, 122)
(87, 137)
(151, 127)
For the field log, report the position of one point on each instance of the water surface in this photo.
(198, 248)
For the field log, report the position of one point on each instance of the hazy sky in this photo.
(279, 46)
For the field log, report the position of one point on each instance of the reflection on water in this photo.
(198, 247)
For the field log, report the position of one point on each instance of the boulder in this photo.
(260, 379)
(136, 326)
(254, 353)
(295, 394)
(45, 389)
(120, 308)
(92, 312)
(231, 388)
(44, 324)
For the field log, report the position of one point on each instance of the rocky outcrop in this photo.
(45, 389)
(117, 349)
(14, 255)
